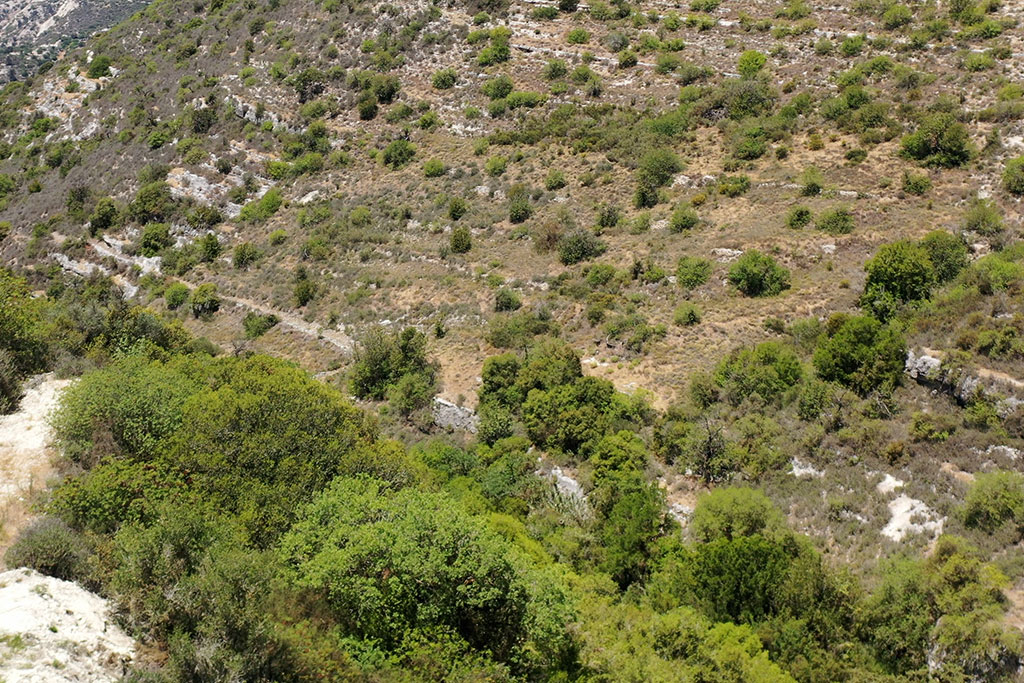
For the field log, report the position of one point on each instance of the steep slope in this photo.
(35, 31)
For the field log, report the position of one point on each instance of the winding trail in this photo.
(337, 338)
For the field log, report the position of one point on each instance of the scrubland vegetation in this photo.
(727, 300)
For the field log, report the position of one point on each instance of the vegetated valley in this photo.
(489, 340)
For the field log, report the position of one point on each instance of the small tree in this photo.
(940, 140)
(757, 274)
(899, 272)
(175, 295)
(204, 301)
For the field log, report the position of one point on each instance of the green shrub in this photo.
(852, 46)
(767, 370)
(995, 499)
(837, 221)
(518, 99)
(733, 186)
(1013, 176)
(204, 301)
(899, 272)
(507, 300)
(940, 140)
(947, 252)
(683, 218)
(554, 180)
(50, 547)
(99, 66)
(916, 184)
(444, 79)
(398, 153)
(176, 295)
(155, 238)
(692, 272)
(457, 208)
(863, 354)
(519, 208)
(812, 182)
(686, 314)
(277, 237)
(798, 217)
(983, 217)
(757, 274)
(655, 170)
(245, 255)
(554, 69)
(577, 36)
(896, 17)
(750, 63)
(263, 208)
(433, 168)
(495, 166)
(498, 88)
(460, 241)
(579, 245)
(258, 324)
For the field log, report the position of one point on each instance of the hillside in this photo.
(585, 264)
(34, 32)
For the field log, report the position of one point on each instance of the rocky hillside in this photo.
(34, 32)
(781, 240)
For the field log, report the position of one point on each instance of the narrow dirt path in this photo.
(336, 338)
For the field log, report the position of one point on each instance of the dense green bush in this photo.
(995, 499)
(1013, 176)
(683, 218)
(757, 274)
(765, 371)
(799, 217)
(507, 300)
(580, 245)
(398, 153)
(947, 252)
(837, 221)
(155, 238)
(461, 241)
(983, 217)
(898, 273)
(940, 140)
(433, 168)
(692, 271)
(861, 353)
(686, 314)
(444, 79)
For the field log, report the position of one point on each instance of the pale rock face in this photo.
(53, 631)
